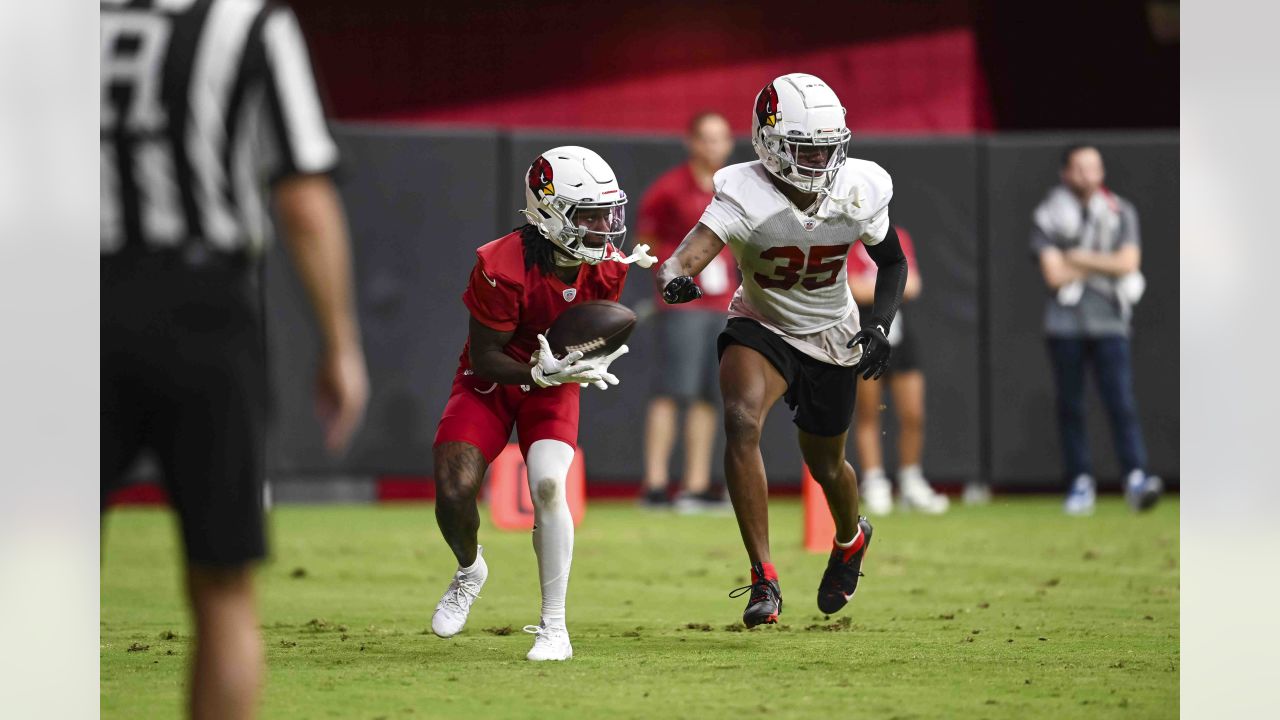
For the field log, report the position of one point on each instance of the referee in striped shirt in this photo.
(209, 114)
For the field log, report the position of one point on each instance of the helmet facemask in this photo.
(810, 163)
(587, 232)
(596, 229)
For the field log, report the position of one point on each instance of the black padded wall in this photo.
(419, 202)
(1020, 168)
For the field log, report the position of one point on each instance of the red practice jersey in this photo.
(670, 209)
(504, 295)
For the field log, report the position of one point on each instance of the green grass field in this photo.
(1005, 611)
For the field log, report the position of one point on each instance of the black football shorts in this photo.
(821, 395)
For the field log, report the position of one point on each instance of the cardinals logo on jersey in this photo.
(767, 106)
(540, 178)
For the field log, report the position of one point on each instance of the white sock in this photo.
(873, 474)
(851, 542)
(477, 569)
(911, 473)
(548, 462)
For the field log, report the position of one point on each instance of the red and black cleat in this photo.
(765, 603)
(844, 568)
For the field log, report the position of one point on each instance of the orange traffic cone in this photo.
(511, 506)
(819, 527)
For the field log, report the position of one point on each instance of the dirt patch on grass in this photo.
(840, 625)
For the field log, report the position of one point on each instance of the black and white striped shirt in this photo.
(204, 102)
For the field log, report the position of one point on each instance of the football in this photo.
(596, 327)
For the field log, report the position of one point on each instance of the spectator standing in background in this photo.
(906, 382)
(687, 370)
(210, 112)
(1086, 240)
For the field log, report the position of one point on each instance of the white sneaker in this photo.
(1142, 490)
(1082, 497)
(549, 643)
(701, 504)
(976, 493)
(876, 495)
(917, 494)
(454, 607)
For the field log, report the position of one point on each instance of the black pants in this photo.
(184, 374)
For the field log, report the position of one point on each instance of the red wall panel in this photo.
(923, 83)
(902, 66)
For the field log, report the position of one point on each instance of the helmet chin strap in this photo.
(564, 259)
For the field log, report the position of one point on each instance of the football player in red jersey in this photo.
(507, 376)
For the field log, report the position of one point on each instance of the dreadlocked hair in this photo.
(538, 251)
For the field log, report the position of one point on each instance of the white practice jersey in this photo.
(794, 279)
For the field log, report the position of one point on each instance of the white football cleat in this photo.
(549, 643)
(454, 607)
(917, 494)
(876, 495)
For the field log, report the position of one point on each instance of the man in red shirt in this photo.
(906, 382)
(687, 371)
(508, 377)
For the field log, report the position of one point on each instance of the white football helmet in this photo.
(572, 196)
(798, 131)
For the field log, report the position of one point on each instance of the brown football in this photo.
(596, 327)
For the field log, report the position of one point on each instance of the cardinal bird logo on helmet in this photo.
(540, 178)
(767, 106)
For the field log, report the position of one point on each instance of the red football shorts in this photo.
(482, 413)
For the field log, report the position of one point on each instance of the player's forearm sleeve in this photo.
(891, 278)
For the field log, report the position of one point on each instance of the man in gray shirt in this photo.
(1086, 240)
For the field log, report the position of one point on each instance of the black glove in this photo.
(875, 352)
(681, 290)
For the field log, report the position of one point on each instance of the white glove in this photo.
(639, 255)
(602, 365)
(549, 372)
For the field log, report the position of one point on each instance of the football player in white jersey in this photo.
(790, 219)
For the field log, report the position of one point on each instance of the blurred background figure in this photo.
(906, 383)
(1086, 240)
(203, 105)
(686, 372)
